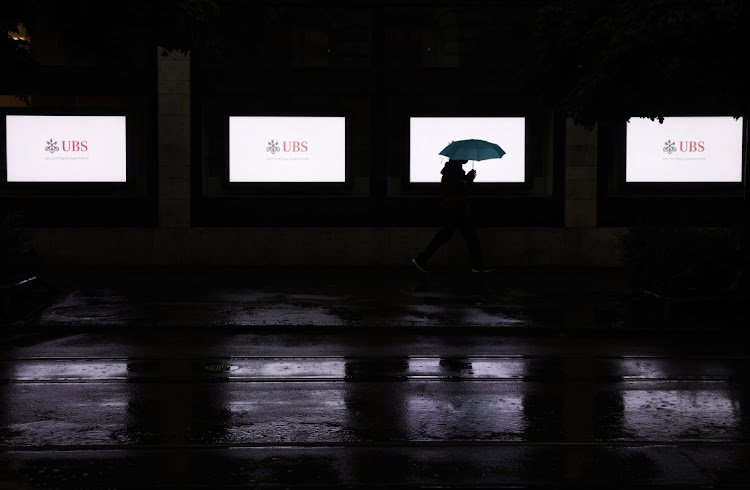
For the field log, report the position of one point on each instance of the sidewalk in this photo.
(529, 298)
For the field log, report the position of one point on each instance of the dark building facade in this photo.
(376, 64)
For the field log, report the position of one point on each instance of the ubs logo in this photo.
(287, 147)
(684, 147)
(273, 147)
(67, 146)
(52, 146)
(669, 147)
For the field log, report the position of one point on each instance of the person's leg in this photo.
(450, 221)
(471, 237)
(440, 238)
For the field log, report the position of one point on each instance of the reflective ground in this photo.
(225, 408)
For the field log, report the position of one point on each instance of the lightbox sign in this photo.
(429, 135)
(66, 148)
(287, 149)
(684, 149)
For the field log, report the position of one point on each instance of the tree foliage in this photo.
(14, 51)
(616, 58)
(96, 30)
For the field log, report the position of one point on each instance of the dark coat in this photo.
(454, 186)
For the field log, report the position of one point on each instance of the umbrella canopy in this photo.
(472, 150)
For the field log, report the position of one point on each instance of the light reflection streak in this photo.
(54, 370)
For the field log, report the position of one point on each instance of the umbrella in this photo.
(472, 150)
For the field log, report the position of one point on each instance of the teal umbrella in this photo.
(472, 150)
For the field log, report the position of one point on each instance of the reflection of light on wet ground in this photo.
(424, 367)
(500, 368)
(315, 368)
(645, 368)
(42, 409)
(287, 412)
(467, 412)
(509, 368)
(48, 414)
(461, 315)
(65, 370)
(672, 414)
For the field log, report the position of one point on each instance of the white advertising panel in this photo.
(684, 149)
(429, 135)
(287, 149)
(66, 148)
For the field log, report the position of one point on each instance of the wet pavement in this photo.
(361, 378)
(339, 298)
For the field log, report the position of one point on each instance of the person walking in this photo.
(456, 212)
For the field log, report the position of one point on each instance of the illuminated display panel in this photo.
(66, 148)
(684, 149)
(287, 149)
(429, 135)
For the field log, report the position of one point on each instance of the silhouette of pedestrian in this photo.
(456, 212)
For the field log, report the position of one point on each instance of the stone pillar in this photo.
(174, 139)
(580, 177)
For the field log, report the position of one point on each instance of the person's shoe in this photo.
(420, 264)
(482, 268)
